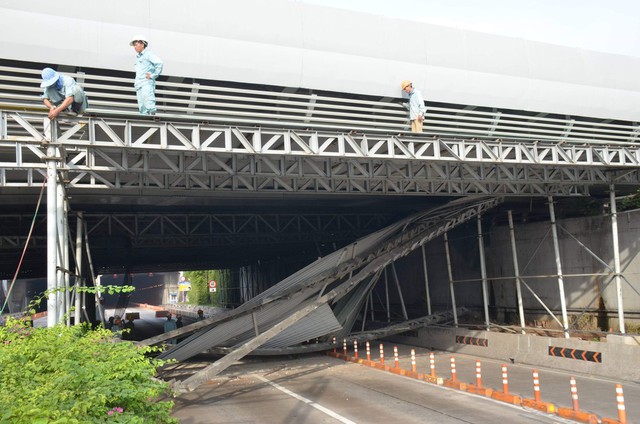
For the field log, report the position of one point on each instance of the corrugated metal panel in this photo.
(320, 322)
(234, 331)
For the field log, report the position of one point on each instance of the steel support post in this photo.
(63, 280)
(52, 227)
(426, 279)
(516, 271)
(386, 293)
(450, 273)
(371, 302)
(556, 250)
(616, 256)
(395, 276)
(364, 314)
(79, 303)
(98, 299)
(483, 273)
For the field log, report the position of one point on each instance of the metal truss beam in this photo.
(197, 158)
(192, 230)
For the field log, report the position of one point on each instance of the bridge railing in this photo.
(215, 102)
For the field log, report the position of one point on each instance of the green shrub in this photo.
(77, 375)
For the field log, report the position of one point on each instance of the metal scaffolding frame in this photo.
(614, 272)
(149, 155)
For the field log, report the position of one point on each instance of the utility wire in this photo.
(24, 251)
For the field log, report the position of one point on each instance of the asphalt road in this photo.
(318, 389)
(321, 389)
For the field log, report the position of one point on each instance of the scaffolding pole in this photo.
(450, 271)
(426, 279)
(483, 273)
(52, 227)
(616, 256)
(79, 296)
(386, 292)
(395, 276)
(556, 250)
(516, 269)
(63, 255)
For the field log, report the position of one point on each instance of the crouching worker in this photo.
(62, 94)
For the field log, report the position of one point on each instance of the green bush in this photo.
(200, 294)
(77, 375)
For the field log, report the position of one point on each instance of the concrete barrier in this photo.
(597, 358)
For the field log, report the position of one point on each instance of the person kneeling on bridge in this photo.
(62, 94)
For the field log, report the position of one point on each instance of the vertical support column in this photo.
(483, 273)
(556, 249)
(426, 279)
(79, 275)
(371, 301)
(516, 271)
(395, 276)
(364, 314)
(52, 227)
(616, 256)
(386, 292)
(63, 255)
(450, 273)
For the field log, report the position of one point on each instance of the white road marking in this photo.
(307, 401)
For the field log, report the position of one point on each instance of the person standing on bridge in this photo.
(62, 94)
(416, 106)
(148, 67)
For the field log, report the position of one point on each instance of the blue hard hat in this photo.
(49, 77)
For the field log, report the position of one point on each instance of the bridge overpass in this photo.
(234, 170)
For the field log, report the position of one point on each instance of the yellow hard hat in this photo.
(405, 83)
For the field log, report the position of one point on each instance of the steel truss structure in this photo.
(321, 300)
(116, 154)
(196, 230)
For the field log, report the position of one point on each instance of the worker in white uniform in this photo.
(148, 68)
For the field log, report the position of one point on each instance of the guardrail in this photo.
(227, 103)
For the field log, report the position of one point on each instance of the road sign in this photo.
(213, 286)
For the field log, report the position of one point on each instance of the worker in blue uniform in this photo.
(148, 68)
(62, 94)
(416, 106)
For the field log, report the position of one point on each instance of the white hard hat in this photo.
(139, 37)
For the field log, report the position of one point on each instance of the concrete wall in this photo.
(620, 356)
